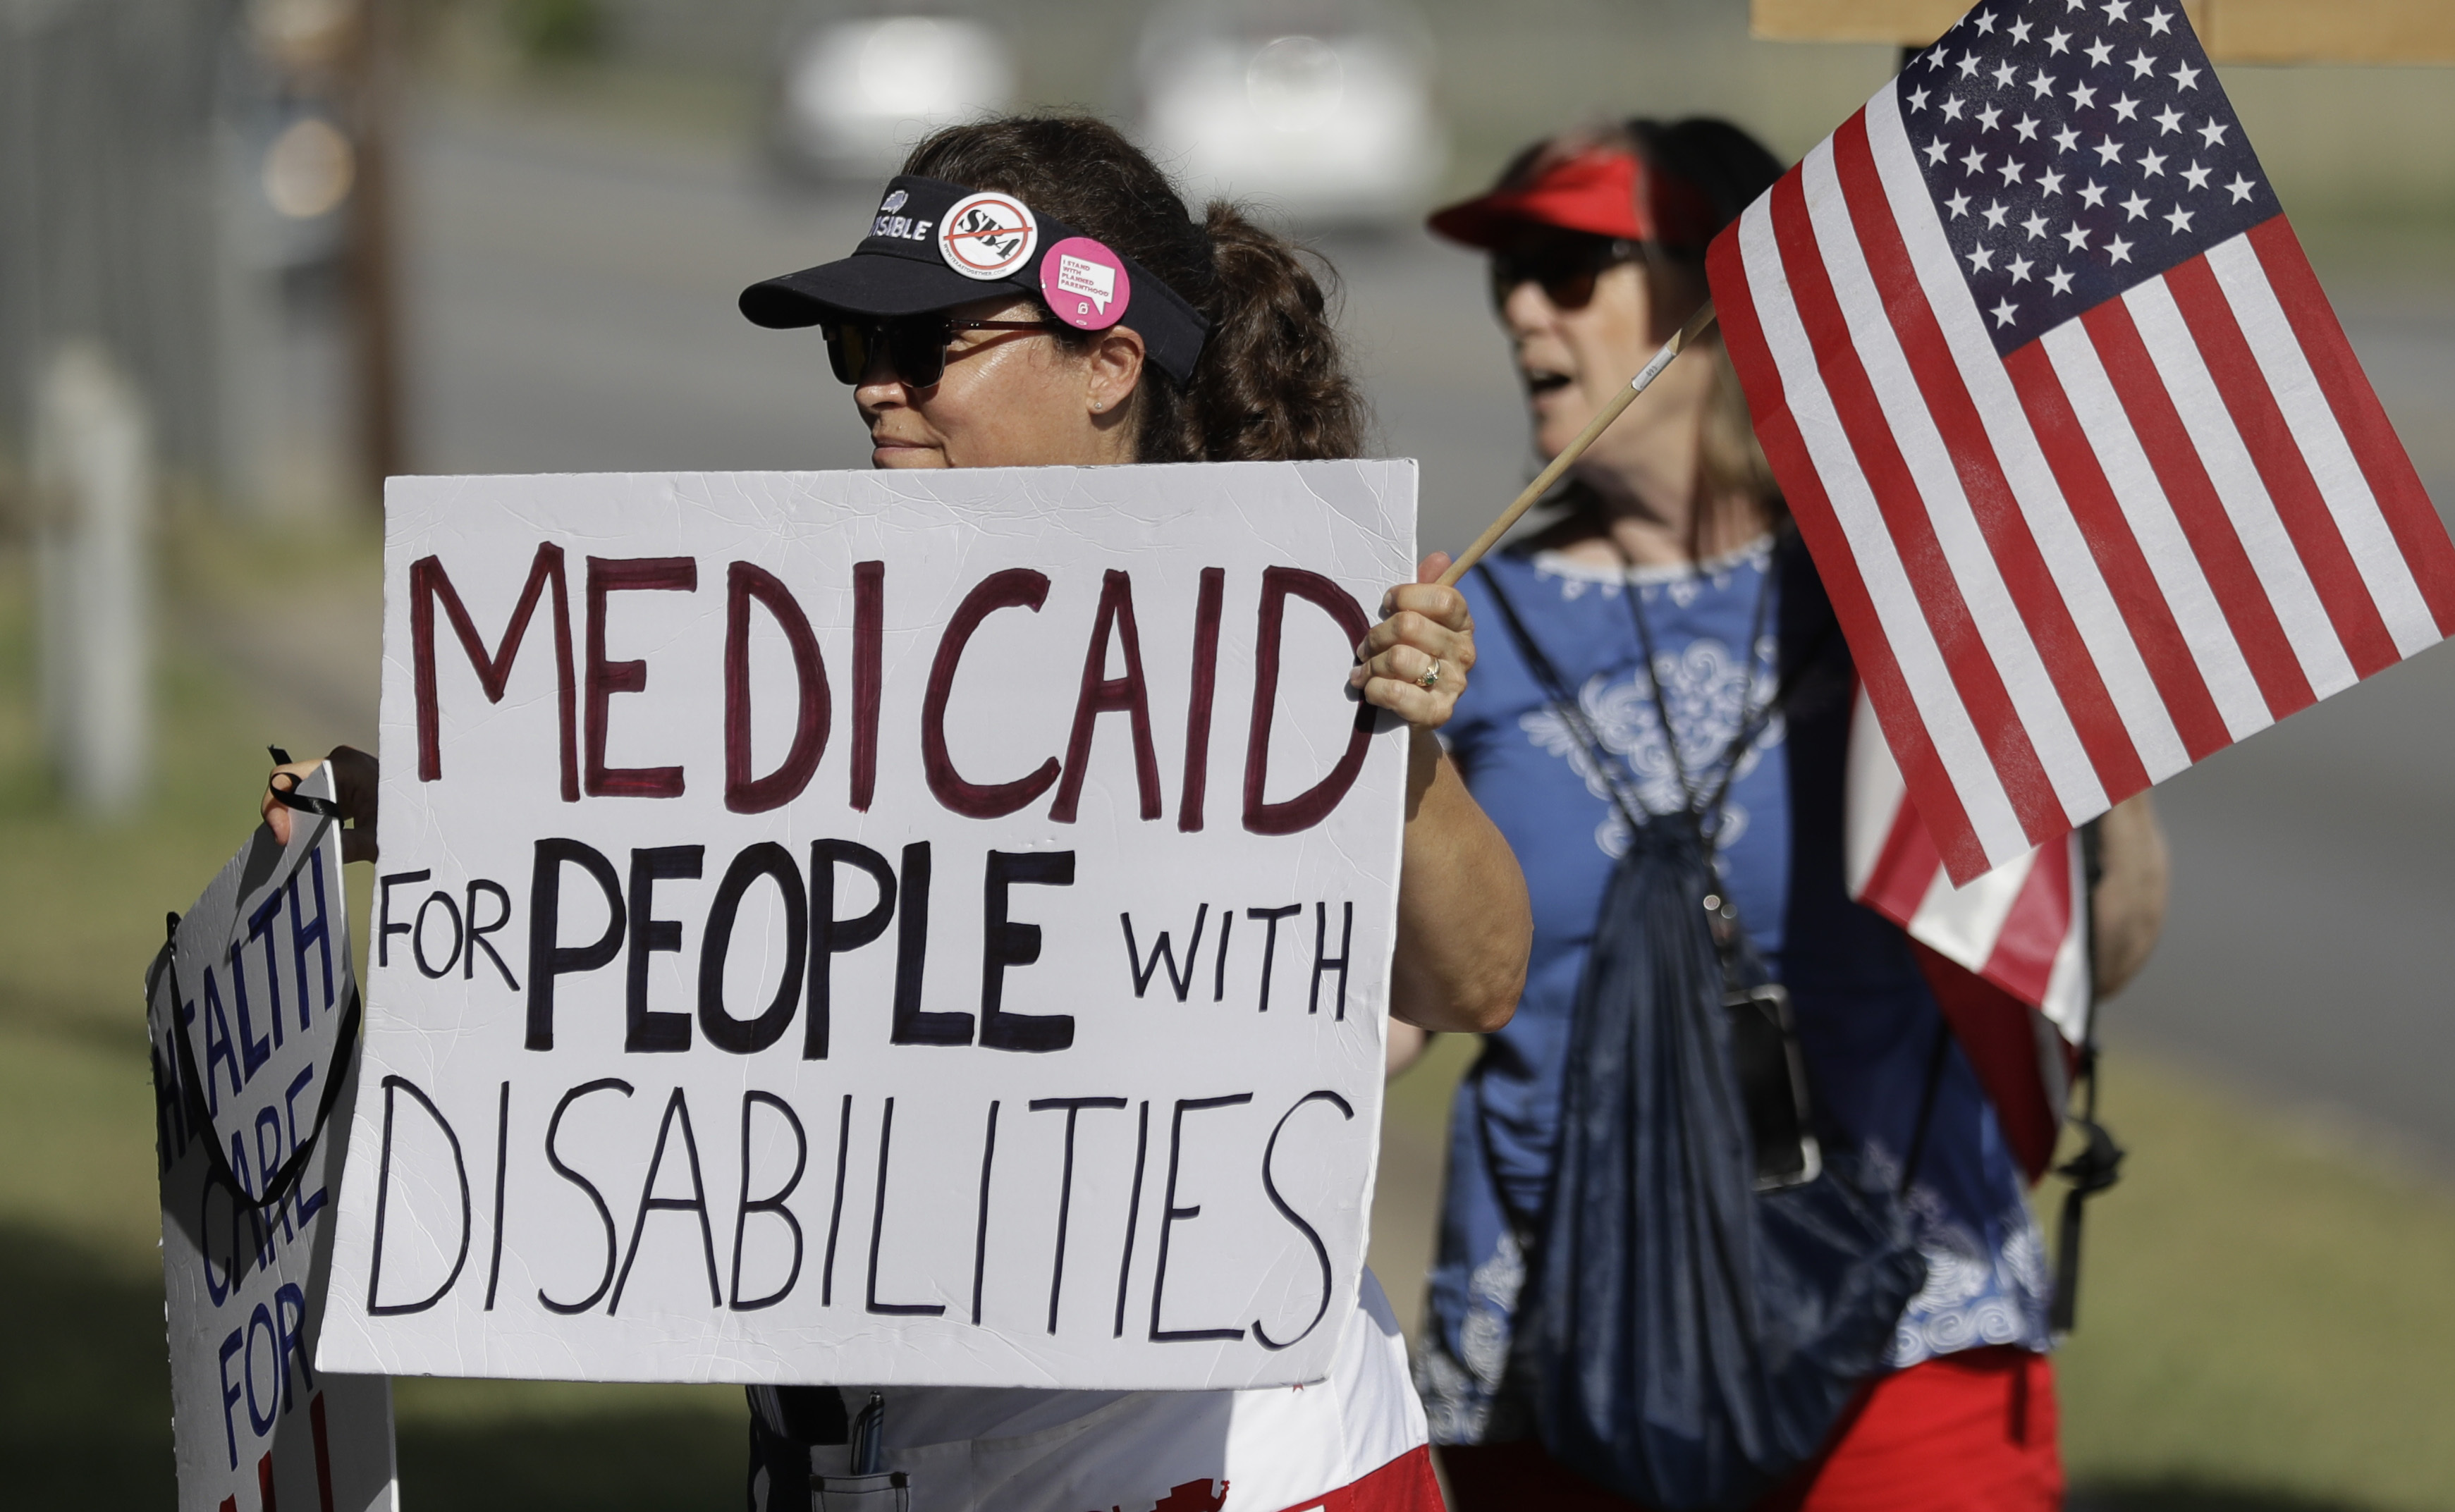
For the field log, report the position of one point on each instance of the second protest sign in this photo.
(877, 928)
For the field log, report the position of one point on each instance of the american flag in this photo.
(2091, 474)
(2006, 956)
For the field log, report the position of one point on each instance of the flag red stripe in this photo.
(2046, 616)
(2202, 514)
(2022, 961)
(2273, 450)
(2409, 515)
(1974, 676)
(323, 1451)
(1879, 671)
(1904, 869)
(2144, 606)
(1404, 1484)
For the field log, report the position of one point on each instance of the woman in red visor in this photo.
(1661, 654)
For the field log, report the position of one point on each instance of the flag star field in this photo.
(2075, 148)
(2094, 480)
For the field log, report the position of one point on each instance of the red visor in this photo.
(1605, 194)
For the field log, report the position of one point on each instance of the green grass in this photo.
(2261, 1308)
(2264, 1321)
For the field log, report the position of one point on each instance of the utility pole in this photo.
(373, 301)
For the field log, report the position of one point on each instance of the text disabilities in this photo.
(249, 1013)
(877, 928)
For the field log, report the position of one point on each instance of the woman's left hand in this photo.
(1415, 662)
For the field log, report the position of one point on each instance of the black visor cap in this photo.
(897, 270)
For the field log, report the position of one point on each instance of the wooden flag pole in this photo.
(1695, 327)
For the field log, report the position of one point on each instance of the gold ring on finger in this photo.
(1431, 676)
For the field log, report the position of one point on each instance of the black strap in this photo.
(2098, 1166)
(1730, 937)
(306, 803)
(278, 1183)
(1555, 687)
(289, 797)
(1705, 813)
(1607, 765)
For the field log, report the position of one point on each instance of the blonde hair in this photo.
(1730, 461)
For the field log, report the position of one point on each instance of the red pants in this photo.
(1971, 1432)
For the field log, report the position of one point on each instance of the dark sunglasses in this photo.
(1566, 267)
(915, 347)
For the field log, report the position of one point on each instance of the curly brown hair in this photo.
(1272, 383)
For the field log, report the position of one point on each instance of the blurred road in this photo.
(571, 294)
(571, 302)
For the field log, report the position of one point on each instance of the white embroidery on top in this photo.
(1708, 691)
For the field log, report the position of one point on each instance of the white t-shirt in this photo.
(969, 1449)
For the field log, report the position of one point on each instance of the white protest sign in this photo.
(890, 928)
(244, 1284)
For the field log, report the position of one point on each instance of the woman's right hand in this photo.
(354, 788)
(1426, 630)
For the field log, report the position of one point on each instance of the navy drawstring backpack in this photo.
(1685, 1339)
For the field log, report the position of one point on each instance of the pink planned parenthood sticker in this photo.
(1084, 284)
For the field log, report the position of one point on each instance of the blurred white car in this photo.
(853, 95)
(1321, 109)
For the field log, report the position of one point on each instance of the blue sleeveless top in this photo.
(1868, 1025)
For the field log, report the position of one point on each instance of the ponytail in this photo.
(1272, 385)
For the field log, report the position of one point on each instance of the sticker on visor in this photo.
(988, 236)
(1084, 284)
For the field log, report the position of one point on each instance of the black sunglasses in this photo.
(1564, 266)
(915, 346)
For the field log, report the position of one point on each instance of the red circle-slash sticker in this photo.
(1084, 284)
(988, 236)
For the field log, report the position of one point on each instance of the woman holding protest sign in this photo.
(1032, 291)
(1664, 695)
